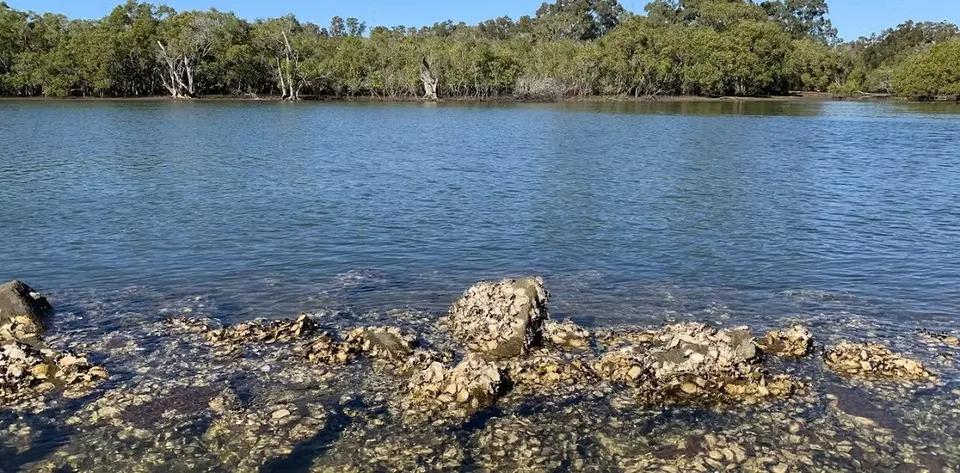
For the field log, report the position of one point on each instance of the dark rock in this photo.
(23, 311)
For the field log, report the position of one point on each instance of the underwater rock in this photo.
(26, 368)
(385, 343)
(23, 311)
(502, 319)
(471, 385)
(795, 342)
(566, 334)
(874, 361)
(944, 338)
(191, 324)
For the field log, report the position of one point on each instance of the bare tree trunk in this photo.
(283, 86)
(189, 69)
(294, 92)
(429, 80)
(172, 87)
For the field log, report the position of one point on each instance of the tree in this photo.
(931, 73)
(273, 38)
(577, 19)
(803, 18)
(186, 39)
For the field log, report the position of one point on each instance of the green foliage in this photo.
(570, 48)
(931, 73)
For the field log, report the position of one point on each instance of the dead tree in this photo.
(429, 79)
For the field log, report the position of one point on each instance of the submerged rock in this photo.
(874, 361)
(944, 338)
(566, 334)
(471, 385)
(264, 331)
(502, 319)
(23, 311)
(795, 342)
(694, 361)
(191, 324)
(386, 343)
(26, 368)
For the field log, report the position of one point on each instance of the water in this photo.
(839, 215)
(277, 208)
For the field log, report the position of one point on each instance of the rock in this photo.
(940, 338)
(26, 367)
(23, 311)
(795, 342)
(547, 369)
(566, 334)
(324, 349)
(874, 361)
(263, 331)
(502, 319)
(685, 360)
(225, 402)
(471, 385)
(280, 414)
(386, 343)
(191, 324)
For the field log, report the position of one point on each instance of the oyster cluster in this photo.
(874, 361)
(503, 319)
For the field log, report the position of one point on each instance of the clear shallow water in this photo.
(269, 209)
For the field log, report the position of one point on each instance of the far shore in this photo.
(797, 97)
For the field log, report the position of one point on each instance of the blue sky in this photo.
(852, 17)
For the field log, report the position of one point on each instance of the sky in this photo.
(853, 18)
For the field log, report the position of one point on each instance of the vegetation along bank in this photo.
(568, 49)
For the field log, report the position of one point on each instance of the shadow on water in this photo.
(53, 437)
(300, 459)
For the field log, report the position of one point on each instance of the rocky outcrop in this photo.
(874, 361)
(547, 369)
(326, 350)
(26, 368)
(471, 385)
(694, 361)
(502, 319)
(566, 334)
(264, 331)
(23, 311)
(795, 342)
(386, 343)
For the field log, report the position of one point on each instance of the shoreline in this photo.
(615, 99)
(437, 392)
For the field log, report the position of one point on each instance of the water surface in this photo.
(276, 208)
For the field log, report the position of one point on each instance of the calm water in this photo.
(743, 210)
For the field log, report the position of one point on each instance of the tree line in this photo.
(568, 48)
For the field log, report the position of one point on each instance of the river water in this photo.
(275, 208)
(843, 215)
